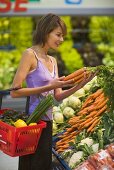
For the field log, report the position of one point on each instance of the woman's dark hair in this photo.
(46, 25)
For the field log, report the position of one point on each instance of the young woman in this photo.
(40, 72)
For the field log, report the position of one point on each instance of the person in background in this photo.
(40, 71)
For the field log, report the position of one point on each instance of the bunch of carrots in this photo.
(88, 117)
(78, 76)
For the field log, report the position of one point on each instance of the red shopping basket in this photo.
(20, 141)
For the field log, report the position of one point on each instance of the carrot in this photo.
(86, 110)
(86, 121)
(78, 77)
(73, 120)
(74, 74)
(87, 102)
(81, 77)
(89, 123)
(101, 104)
(72, 140)
(73, 133)
(67, 137)
(65, 146)
(99, 98)
(98, 101)
(79, 80)
(92, 130)
(71, 129)
(82, 112)
(92, 114)
(60, 150)
(93, 125)
(91, 108)
(77, 124)
(97, 93)
(64, 135)
(61, 144)
(101, 110)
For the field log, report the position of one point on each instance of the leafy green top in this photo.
(105, 77)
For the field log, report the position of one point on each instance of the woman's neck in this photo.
(41, 50)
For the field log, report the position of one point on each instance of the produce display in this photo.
(85, 130)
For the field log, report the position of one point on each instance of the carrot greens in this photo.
(105, 78)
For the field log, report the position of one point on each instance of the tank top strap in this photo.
(54, 71)
(54, 67)
(34, 53)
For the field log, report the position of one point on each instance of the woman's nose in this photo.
(61, 39)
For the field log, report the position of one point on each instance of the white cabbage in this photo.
(54, 126)
(79, 93)
(75, 158)
(95, 147)
(87, 141)
(87, 87)
(56, 109)
(74, 102)
(64, 104)
(94, 80)
(58, 117)
(68, 112)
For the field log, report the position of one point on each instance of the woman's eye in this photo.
(58, 35)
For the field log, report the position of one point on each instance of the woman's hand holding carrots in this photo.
(86, 79)
(80, 77)
(60, 83)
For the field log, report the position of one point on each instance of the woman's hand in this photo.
(87, 79)
(60, 95)
(60, 83)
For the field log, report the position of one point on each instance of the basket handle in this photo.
(7, 92)
(2, 140)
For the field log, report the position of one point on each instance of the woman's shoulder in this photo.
(27, 56)
(28, 51)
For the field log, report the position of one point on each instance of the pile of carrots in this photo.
(88, 117)
(78, 76)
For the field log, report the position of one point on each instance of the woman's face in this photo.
(55, 38)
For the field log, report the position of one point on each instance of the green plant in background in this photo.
(102, 34)
(69, 55)
(15, 31)
(8, 65)
(21, 37)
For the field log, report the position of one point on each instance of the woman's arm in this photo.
(62, 94)
(25, 66)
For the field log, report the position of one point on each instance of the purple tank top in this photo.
(41, 76)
